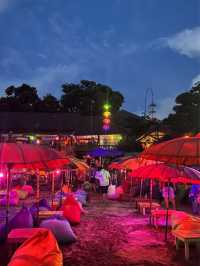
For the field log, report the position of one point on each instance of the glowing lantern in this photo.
(38, 141)
(106, 116)
(106, 121)
(106, 127)
(1, 174)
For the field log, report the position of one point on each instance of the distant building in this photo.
(65, 131)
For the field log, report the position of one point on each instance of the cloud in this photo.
(164, 107)
(49, 79)
(195, 79)
(5, 4)
(186, 42)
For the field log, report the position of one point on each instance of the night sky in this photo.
(130, 45)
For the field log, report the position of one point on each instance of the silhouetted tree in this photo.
(186, 116)
(88, 97)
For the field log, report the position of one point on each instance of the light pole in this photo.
(149, 110)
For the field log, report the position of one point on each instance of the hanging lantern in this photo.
(106, 116)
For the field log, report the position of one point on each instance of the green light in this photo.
(106, 106)
(32, 138)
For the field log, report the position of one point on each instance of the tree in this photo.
(186, 116)
(22, 98)
(88, 97)
(49, 103)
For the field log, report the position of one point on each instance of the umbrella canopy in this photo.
(81, 165)
(131, 163)
(100, 152)
(179, 151)
(18, 155)
(165, 173)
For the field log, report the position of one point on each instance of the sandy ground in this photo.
(114, 234)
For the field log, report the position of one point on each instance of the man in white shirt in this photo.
(103, 176)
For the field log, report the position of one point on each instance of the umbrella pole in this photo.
(37, 197)
(52, 189)
(7, 196)
(61, 185)
(151, 185)
(167, 213)
(141, 185)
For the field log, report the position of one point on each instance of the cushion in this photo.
(28, 188)
(23, 219)
(71, 210)
(61, 230)
(40, 249)
(22, 194)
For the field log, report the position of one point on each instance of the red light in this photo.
(57, 138)
(1, 174)
(106, 121)
(57, 172)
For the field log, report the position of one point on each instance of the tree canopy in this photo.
(186, 115)
(87, 98)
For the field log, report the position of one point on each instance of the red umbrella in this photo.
(179, 151)
(17, 155)
(168, 174)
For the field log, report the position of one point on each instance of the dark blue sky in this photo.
(130, 45)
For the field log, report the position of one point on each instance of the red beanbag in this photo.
(72, 210)
(40, 249)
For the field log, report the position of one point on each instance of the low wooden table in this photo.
(187, 238)
(157, 214)
(138, 200)
(142, 206)
(48, 214)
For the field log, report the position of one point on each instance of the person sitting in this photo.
(169, 195)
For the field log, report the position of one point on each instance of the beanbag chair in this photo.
(3, 232)
(22, 194)
(72, 210)
(23, 219)
(61, 230)
(28, 188)
(36, 207)
(14, 199)
(60, 195)
(66, 189)
(81, 196)
(119, 192)
(40, 249)
(44, 203)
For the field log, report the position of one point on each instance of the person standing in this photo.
(169, 195)
(194, 196)
(103, 176)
